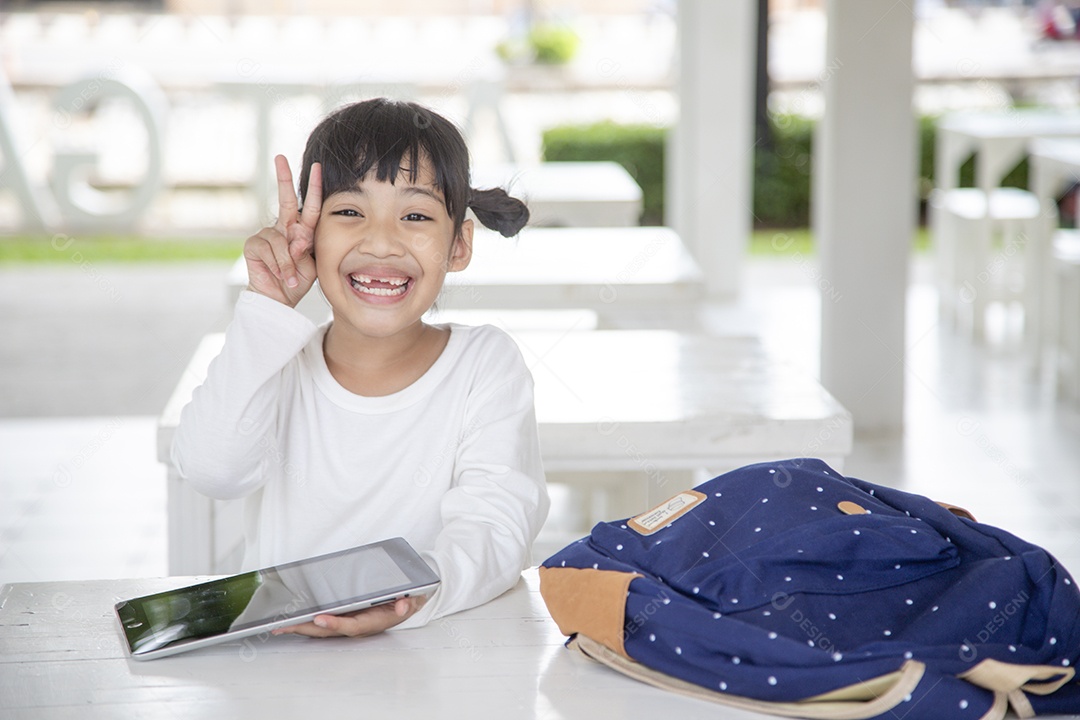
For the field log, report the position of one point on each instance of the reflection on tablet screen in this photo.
(255, 598)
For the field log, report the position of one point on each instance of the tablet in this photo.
(254, 602)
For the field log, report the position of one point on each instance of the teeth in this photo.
(399, 289)
(388, 281)
(381, 291)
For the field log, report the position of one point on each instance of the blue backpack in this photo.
(789, 589)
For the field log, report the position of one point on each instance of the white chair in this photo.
(1063, 326)
(979, 265)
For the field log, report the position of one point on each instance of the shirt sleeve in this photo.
(227, 432)
(498, 502)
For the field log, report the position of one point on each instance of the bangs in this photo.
(389, 138)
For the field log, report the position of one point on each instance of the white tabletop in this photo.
(597, 268)
(1012, 123)
(61, 657)
(569, 194)
(1062, 152)
(1000, 139)
(683, 401)
(1055, 163)
(570, 181)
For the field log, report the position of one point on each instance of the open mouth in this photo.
(383, 287)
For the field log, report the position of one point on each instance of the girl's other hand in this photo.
(365, 622)
(279, 260)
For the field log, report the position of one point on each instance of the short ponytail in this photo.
(499, 211)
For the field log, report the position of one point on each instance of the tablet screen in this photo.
(233, 604)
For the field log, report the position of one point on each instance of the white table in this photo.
(636, 415)
(999, 140)
(61, 658)
(616, 272)
(569, 194)
(1055, 164)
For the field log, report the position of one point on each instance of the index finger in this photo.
(286, 193)
(309, 216)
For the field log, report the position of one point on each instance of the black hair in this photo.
(381, 134)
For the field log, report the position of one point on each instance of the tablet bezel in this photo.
(422, 582)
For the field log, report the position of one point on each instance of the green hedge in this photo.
(781, 177)
(638, 148)
(545, 44)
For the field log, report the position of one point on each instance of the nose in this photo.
(381, 238)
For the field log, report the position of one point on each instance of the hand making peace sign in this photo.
(279, 260)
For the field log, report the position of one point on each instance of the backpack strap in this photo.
(1016, 680)
(870, 699)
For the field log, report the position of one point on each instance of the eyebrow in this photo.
(408, 190)
(419, 190)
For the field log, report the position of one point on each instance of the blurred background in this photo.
(136, 141)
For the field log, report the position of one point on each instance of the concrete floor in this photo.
(80, 339)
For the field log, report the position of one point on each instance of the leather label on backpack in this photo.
(667, 512)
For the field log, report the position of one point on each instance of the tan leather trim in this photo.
(906, 679)
(861, 691)
(998, 709)
(1020, 704)
(958, 511)
(588, 601)
(1006, 677)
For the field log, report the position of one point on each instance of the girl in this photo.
(376, 424)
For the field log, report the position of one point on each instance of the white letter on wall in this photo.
(82, 206)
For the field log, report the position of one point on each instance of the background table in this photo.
(999, 141)
(1055, 165)
(61, 657)
(630, 417)
(618, 272)
(569, 194)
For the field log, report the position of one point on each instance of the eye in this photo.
(416, 217)
(346, 212)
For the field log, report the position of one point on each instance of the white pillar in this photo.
(711, 153)
(865, 207)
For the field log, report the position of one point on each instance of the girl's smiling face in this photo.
(382, 251)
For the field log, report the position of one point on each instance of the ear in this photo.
(461, 250)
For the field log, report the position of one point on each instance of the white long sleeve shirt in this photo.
(451, 463)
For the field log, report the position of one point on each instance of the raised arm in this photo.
(228, 432)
